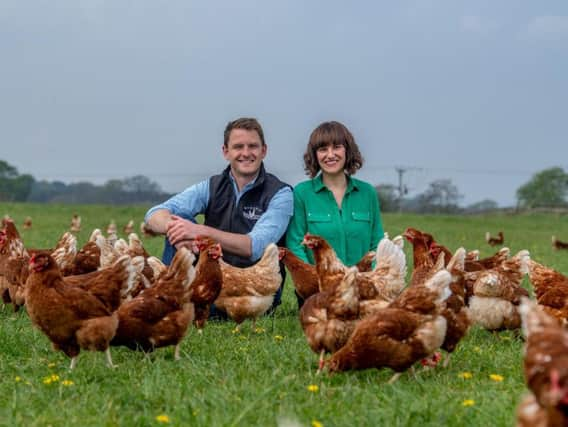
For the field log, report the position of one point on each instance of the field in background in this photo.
(266, 376)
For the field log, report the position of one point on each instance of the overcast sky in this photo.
(474, 91)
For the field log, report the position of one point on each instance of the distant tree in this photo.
(388, 197)
(547, 188)
(22, 187)
(7, 171)
(442, 196)
(140, 184)
(114, 185)
(13, 186)
(485, 205)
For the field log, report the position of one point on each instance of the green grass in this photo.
(227, 379)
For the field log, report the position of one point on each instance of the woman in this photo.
(333, 204)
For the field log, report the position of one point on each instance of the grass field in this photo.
(268, 376)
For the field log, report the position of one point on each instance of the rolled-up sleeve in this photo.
(272, 225)
(187, 204)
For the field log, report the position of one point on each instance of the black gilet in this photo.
(224, 214)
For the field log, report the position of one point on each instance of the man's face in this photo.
(244, 152)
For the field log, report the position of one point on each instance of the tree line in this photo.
(546, 189)
(25, 188)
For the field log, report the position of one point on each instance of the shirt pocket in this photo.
(359, 226)
(321, 224)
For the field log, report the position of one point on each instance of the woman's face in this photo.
(331, 158)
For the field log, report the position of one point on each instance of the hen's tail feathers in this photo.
(157, 266)
(65, 251)
(533, 318)
(270, 257)
(346, 290)
(96, 232)
(440, 283)
(17, 248)
(522, 258)
(135, 244)
(458, 261)
(473, 255)
(390, 255)
(121, 247)
(108, 253)
(182, 268)
(399, 241)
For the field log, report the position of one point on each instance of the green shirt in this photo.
(352, 231)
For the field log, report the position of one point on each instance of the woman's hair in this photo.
(332, 133)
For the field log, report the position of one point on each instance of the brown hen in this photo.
(71, 317)
(161, 314)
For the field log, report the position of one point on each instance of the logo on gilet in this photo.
(252, 212)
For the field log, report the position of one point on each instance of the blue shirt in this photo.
(269, 228)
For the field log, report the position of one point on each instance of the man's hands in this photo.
(182, 233)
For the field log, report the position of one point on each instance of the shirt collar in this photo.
(319, 185)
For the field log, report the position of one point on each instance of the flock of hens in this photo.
(112, 292)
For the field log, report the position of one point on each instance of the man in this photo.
(245, 207)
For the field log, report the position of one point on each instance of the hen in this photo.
(493, 241)
(160, 315)
(111, 285)
(248, 293)
(75, 226)
(89, 256)
(129, 227)
(455, 310)
(551, 290)
(329, 268)
(71, 317)
(305, 276)
(398, 336)
(423, 263)
(545, 368)
(558, 244)
(111, 227)
(378, 288)
(497, 293)
(329, 317)
(208, 279)
(27, 223)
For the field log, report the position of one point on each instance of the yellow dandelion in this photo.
(313, 388)
(496, 377)
(468, 402)
(51, 379)
(67, 383)
(51, 365)
(236, 331)
(18, 379)
(278, 337)
(465, 375)
(316, 423)
(477, 349)
(163, 419)
(259, 330)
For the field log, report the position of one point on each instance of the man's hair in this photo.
(246, 123)
(332, 133)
